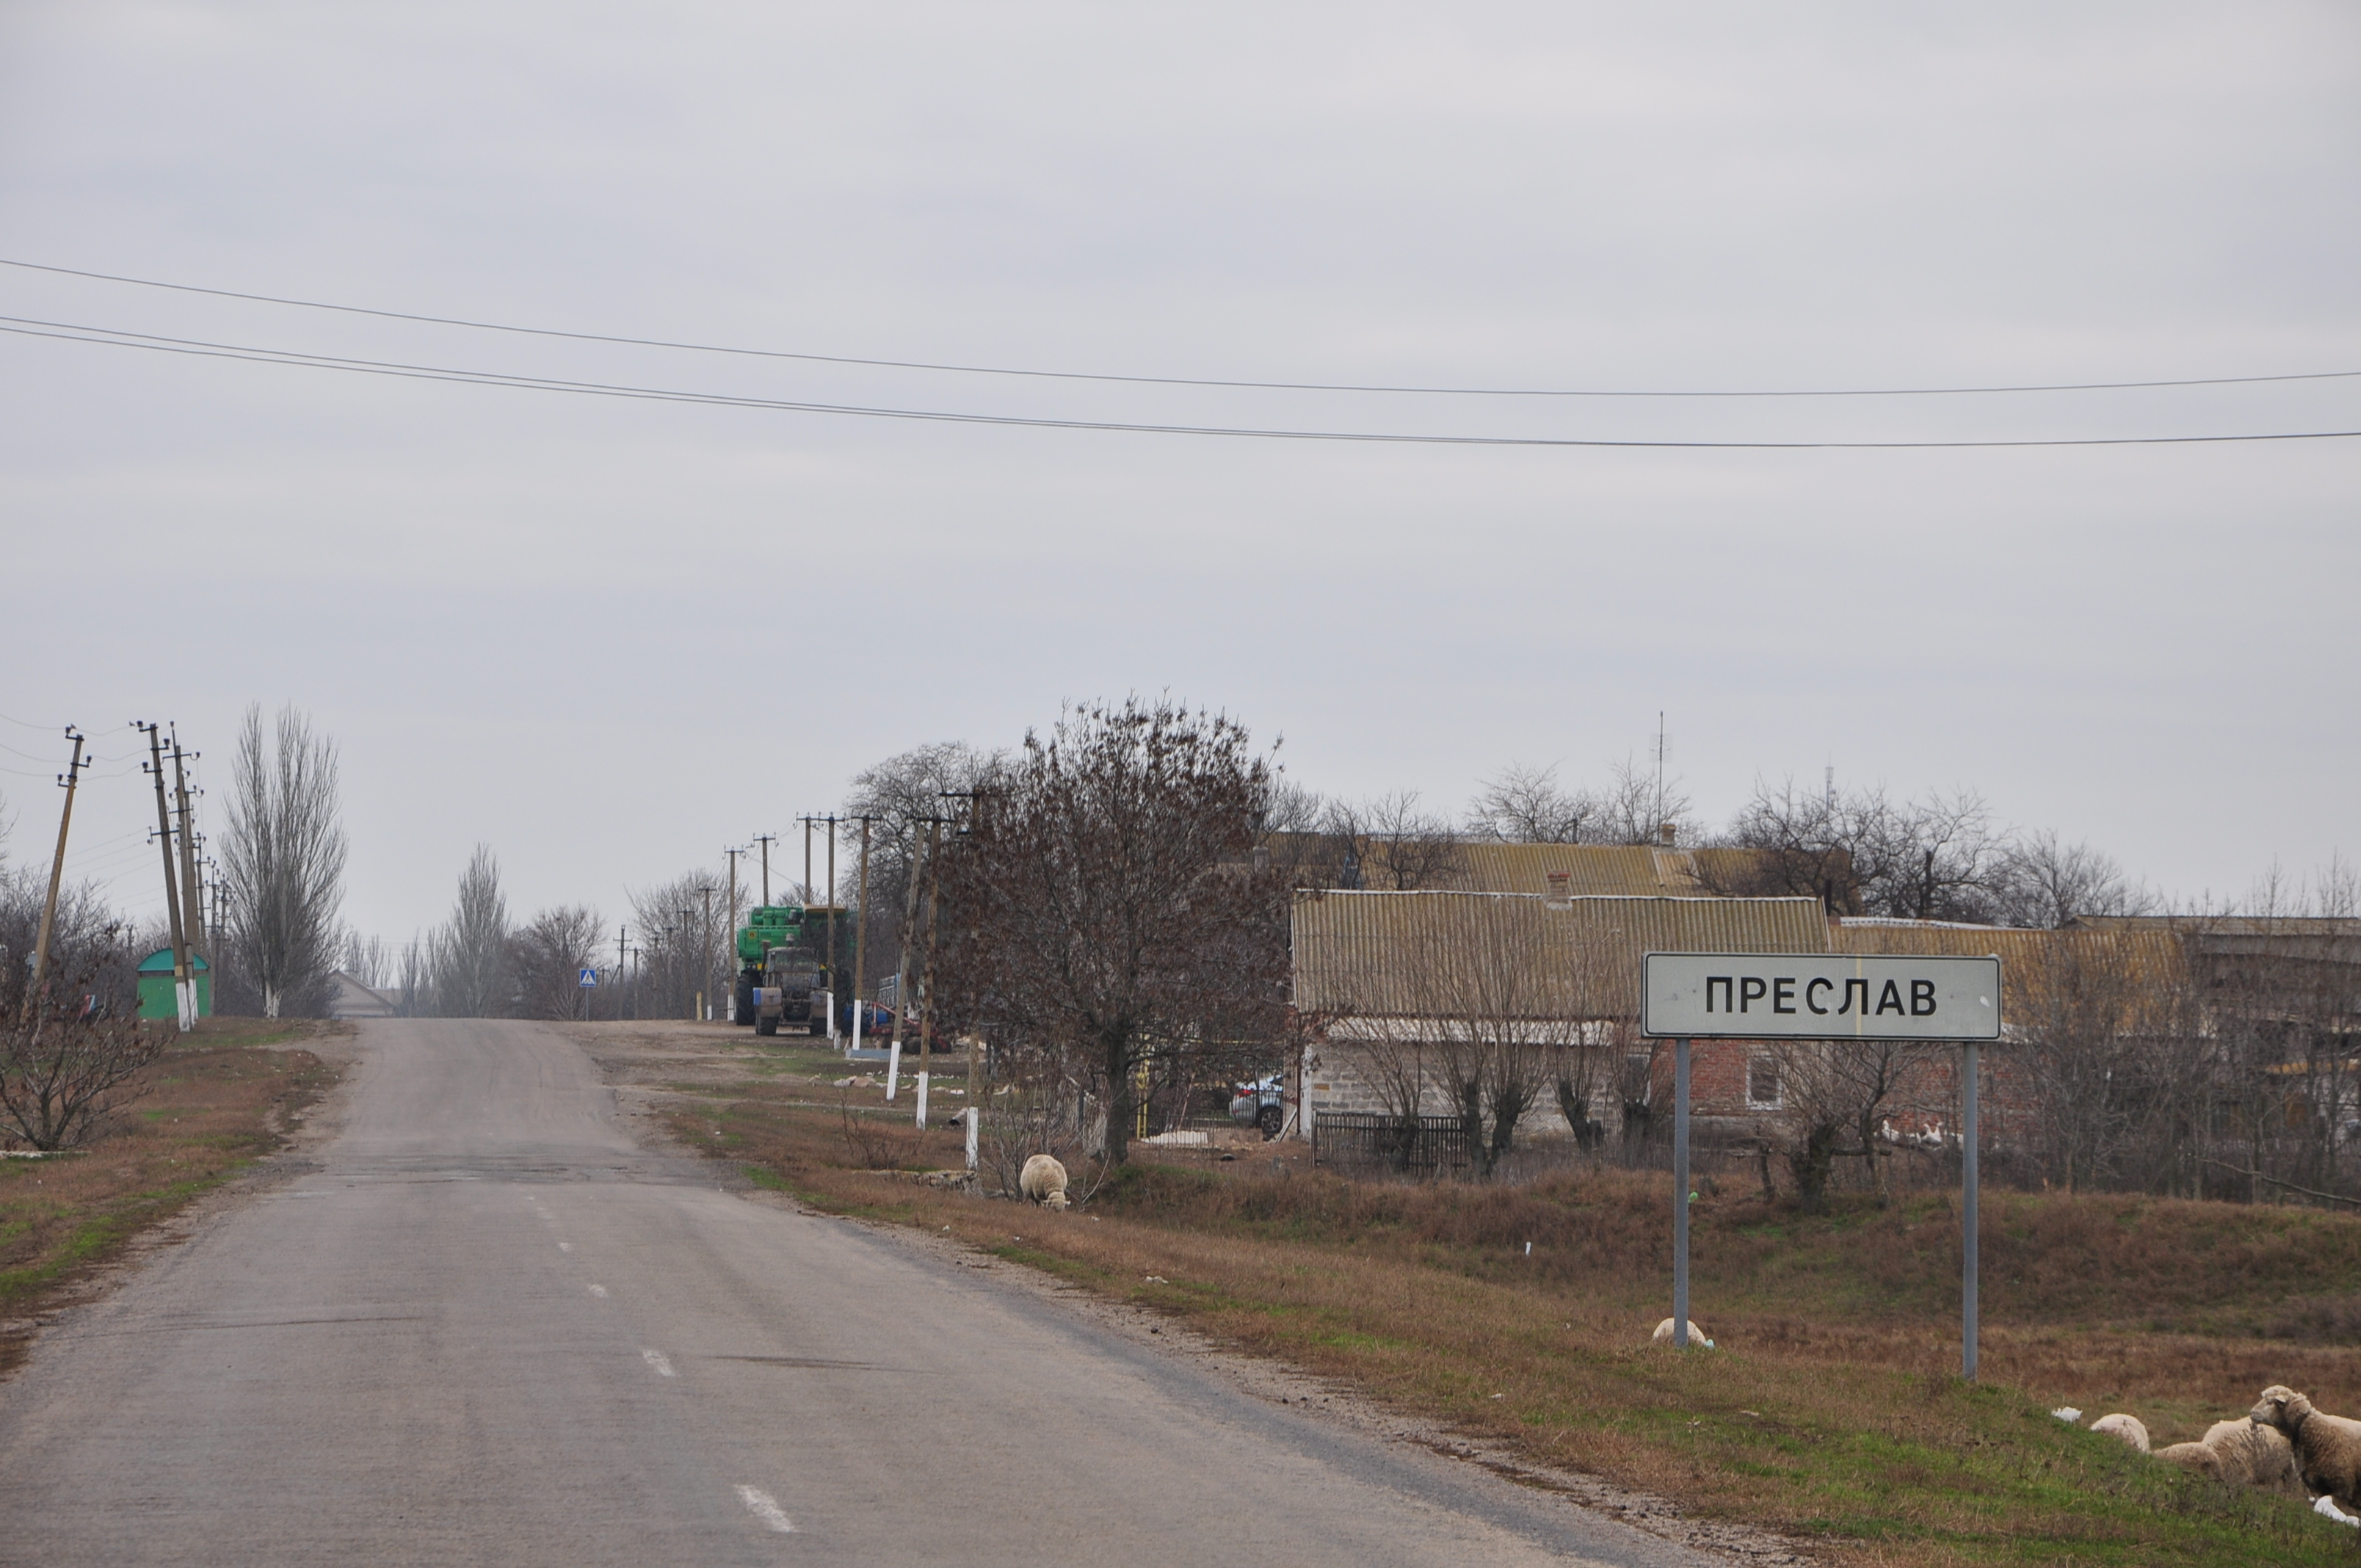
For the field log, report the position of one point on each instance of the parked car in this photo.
(1262, 1103)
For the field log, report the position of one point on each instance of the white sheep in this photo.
(1663, 1334)
(2195, 1458)
(2254, 1456)
(2327, 1448)
(1044, 1181)
(2129, 1428)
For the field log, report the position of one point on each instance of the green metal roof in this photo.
(161, 962)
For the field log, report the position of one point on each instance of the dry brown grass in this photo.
(217, 1101)
(1834, 1413)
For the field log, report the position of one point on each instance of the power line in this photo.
(200, 348)
(1176, 380)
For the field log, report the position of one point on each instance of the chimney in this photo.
(1667, 833)
(1561, 890)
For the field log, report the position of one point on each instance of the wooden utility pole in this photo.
(192, 911)
(57, 870)
(765, 840)
(180, 989)
(830, 967)
(807, 822)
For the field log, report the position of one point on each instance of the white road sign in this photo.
(589, 978)
(1818, 996)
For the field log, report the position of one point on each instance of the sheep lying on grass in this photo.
(2130, 1429)
(2196, 1458)
(2327, 1448)
(2254, 1456)
(1044, 1181)
(1663, 1334)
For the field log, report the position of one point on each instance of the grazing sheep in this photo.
(1044, 1181)
(2254, 1456)
(1663, 1334)
(2129, 1428)
(2196, 1458)
(2327, 1448)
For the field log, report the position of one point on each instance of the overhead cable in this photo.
(1234, 384)
(113, 338)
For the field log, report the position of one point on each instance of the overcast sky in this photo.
(609, 637)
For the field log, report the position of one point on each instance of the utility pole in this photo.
(974, 1040)
(181, 988)
(57, 870)
(680, 956)
(902, 973)
(705, 953)
(765, 840)
(926, 967)
(807, 822)
(622, 933)
(192, 913)
(833, 978)
(860, 932)
(734, 855)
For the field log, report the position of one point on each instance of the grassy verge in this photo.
(1832, 1413)
(211, 1106)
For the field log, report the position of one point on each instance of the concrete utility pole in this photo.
(974, 1040)
(901, 975)
(732, 924)
(622, 934)
(765, 840)
(183, 993)
(192, 911)
(57, 870)
(705, 954)
(680, 956)
(807, 822)
(927, 968)
(859, 932)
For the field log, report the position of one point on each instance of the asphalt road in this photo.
(488, 1328)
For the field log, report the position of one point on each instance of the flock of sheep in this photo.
(2282, 1445)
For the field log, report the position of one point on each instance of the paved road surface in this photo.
(490, 1329)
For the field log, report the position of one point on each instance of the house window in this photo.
(1762, 1082)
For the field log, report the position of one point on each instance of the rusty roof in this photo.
(1407, 954)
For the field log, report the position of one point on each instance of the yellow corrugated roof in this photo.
(1402, 953)
(2048, 977)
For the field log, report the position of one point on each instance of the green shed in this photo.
(156, 985)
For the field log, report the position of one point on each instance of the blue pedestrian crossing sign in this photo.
(589, 978)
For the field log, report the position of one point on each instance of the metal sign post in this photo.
(1832, 998)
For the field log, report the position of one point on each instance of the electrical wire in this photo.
(197, 348)
(1175, 380)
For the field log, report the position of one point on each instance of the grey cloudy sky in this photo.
(609, 636)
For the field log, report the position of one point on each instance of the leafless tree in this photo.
(1291, 808)
(548, 955)
(283, 859)
(468, 955)
(1102, 906)
(1833, 1096)
(2049, 883)
(1394, 846)
(1861, 853)
(1504, 1019)
(901, 795)
(65, 1068)
(365, 959)
(1638, 803)
(1525, 804)
(682, 953)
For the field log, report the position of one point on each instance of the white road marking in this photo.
(764, 1507)
(599, 1292)
(660, 1360)
(565, 1247)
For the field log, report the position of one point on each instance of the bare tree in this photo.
(1103, 908)
(1524, 804)
(365, 959)
(283, 859)
(900, 796)
(1832, 1098)
(681, 954)
(64, 1069)
(548, 955)
(1504, 1018)
(1638, 803)
(1395, 846)
(468, 955)
(2049, 883)
(1861, 853)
